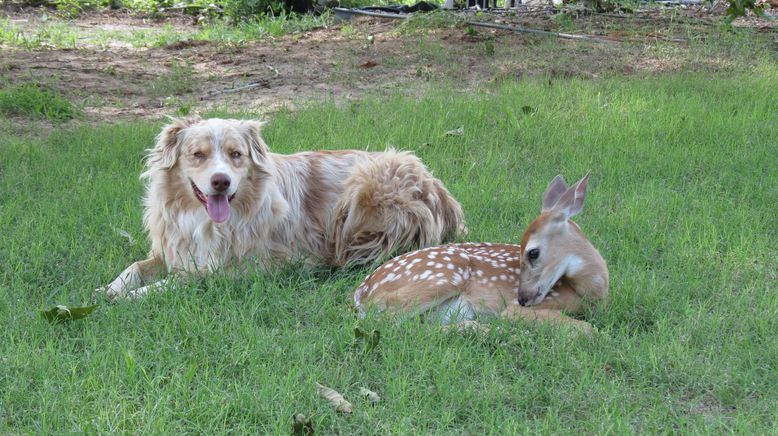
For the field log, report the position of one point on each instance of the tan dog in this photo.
(554, 269)
(216, 195)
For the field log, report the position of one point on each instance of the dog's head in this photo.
(213, 157)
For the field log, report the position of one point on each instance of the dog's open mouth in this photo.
(217, 206)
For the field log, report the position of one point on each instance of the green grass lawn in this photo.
(683, 204)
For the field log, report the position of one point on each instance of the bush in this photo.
(739, 8)
(238, 10)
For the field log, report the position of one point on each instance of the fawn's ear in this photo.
(167, 149)
(555, 189)
(572, 200)
(251, 130)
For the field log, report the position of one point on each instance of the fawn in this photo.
(554, 269)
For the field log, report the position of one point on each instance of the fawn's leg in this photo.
(562, 298)
(550, 316)
(414, 298)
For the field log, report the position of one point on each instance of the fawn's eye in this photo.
(533, 254)
(235, 155)
(199, 154)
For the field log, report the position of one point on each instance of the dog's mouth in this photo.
(217, 206)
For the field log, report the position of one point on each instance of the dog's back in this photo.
(390, 204)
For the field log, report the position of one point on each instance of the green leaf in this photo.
(60, 313)
(738, 8)
(369, 340)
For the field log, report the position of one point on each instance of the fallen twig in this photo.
(536, 31)
(260, 84)
(343, 12)
(335, 399)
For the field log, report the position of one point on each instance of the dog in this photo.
(217, 196)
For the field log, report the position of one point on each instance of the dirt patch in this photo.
(341, 62)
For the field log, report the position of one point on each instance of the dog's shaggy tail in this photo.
(392, 203)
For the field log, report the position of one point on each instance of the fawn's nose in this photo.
(220, 182)
(523, 301)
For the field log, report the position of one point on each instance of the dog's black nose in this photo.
(522, 301)
(220, 182)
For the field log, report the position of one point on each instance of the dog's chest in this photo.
(201, 245)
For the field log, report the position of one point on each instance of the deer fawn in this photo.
(554, 269)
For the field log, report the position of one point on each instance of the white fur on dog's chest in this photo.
(204, 245)
(200, 243)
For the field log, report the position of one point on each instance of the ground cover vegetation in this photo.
(682, 204)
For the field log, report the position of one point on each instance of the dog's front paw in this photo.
(109, 291)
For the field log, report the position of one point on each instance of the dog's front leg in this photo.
(134, 277)
(162, 285)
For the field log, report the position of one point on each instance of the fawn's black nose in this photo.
(523, 301)
(220, 182)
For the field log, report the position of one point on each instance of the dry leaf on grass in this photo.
(459, 131)
(335, 399)
(371, 396)
(125, 234)
(302, 426)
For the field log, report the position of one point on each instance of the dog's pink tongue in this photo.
(218, 208)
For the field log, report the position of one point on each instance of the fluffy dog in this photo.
(216, 195)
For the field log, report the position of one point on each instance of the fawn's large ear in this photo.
(571, 202)
(555, 189)
(167, 149)
(251, 130)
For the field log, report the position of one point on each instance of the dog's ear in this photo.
(166, 151)
(251, 130)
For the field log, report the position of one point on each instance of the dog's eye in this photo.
(199, 154)
(235, 155)
(533, 254)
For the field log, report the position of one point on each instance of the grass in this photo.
(54, 33)
(682, 204)
(34, 101)
(50, 34)
(177, 80)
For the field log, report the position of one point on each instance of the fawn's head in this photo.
(554, 249)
